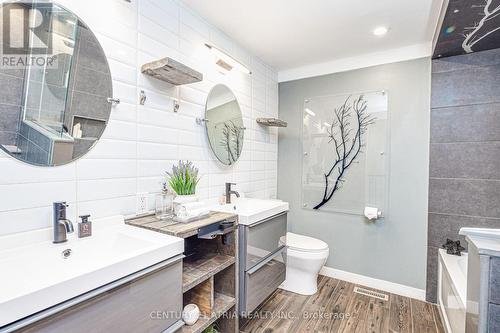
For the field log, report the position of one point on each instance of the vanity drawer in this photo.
(264, 279)
(150, 303)
(495, 280)
(262, 238)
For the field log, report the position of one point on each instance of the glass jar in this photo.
(164, 205)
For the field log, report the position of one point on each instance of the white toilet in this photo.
(304, 259)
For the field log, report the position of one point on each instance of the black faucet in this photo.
(229, 192)
(62, 226)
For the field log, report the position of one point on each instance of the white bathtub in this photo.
(452, 290)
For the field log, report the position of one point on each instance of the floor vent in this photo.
(371, 293)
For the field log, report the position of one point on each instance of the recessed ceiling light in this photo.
(380, 31)
(449, 30)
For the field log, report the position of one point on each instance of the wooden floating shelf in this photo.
(222, 304)
(171, 71)
(271, 122)
(202, 267)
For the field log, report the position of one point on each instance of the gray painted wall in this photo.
(464, 183)
(393, 249)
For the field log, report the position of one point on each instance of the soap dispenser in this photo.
(84, 227)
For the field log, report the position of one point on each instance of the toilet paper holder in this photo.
(373, 213)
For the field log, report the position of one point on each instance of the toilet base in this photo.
(303, 264)
(299, 282)
(298, 289)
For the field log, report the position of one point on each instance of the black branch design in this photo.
(232, 137)
(487, 27)
(347, 141)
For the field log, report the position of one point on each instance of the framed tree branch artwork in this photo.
(345, 147)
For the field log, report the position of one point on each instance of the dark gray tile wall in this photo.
(90, 86)
(464, 184)
(495, 280)
(11, 94)
(494, 318)
(35, 146)
(10, 105)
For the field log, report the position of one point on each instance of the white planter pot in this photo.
(190, 314)
(183, 199)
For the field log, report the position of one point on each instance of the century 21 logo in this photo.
(26, 30)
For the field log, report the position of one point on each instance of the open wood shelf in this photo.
(202, 266)
(271, 122)
(171, 71)
(222, 304)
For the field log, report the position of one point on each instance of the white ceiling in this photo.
(292, 33)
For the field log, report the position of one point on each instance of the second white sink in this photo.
(253, 210)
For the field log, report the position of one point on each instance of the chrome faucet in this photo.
(62, 226)
(229, 192)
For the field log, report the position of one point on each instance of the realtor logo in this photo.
(26, 34)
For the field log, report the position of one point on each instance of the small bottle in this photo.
(84, 227)
(222, 199)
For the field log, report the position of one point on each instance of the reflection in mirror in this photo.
(55, 108)
(224, 124)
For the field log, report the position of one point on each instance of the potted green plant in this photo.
(183, 180)
(212, 329)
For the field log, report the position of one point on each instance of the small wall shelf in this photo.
(271, 122)
(171, 71)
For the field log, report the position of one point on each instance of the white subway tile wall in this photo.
(141, 142)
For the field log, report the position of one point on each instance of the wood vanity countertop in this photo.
(183, 230)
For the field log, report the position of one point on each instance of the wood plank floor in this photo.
(336, 308)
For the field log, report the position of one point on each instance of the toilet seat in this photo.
(303, 243)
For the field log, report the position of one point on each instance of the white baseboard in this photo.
(391, 287)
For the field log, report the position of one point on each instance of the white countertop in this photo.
(487, 241)
(34, 275)
(251, 210)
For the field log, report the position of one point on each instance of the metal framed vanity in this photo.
(136, 303)
(262, 260)
(210, 266)
(262, 226)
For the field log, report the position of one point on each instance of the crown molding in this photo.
(362, 61)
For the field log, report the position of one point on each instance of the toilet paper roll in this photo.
(372, 213)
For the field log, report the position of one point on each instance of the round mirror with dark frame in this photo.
(56, 83)
(224, 124)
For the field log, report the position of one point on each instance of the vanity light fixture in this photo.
(225, 61)
(309, 112)
(380, 31)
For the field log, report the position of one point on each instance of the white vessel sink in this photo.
(35, 275)
(253, 210)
